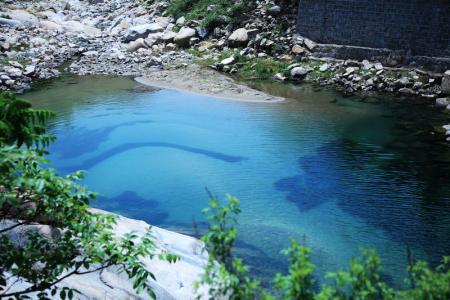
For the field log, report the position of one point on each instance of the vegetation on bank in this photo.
(227, 275)
(73, 240)
(211, 13)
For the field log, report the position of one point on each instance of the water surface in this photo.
(335, 173)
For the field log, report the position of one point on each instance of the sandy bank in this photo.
(200, 80)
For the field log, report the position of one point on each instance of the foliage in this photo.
(299, 282)
(225, 275)
(59, 236)
(362, 281)
(210, 12)
(20, 124)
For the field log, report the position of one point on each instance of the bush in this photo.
(362, 281)
(210, 12)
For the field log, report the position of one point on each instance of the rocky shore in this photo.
(41, 39)
(173, 281)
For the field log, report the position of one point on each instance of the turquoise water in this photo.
(335, 173)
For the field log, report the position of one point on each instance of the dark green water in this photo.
(337, 173)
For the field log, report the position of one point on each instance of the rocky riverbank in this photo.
(41, 39)
(173, 281)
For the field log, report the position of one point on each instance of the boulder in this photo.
(180, 21)
(299, 73)
(168, 37)
(445, 84)
(299, 50)
(279, 76)
(9, 22)
(274, 10)
(310, 45)
(239, 38)
(142, 31)
(136, 45)
(183, 37)
(324, 67)
(407, 91)
(228, 61)
(49, 25)
(22, 16)
(14, 72)
(442, 102)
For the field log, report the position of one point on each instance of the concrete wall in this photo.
(419, 26)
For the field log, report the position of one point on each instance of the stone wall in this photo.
(421, 27)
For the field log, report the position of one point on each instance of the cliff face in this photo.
(417, 26)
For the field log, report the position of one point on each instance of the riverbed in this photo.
(336, 173)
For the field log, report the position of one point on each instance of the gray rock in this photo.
(168, 36)
(279, 76)
(239, 38)
(274, 10)
(9, 22)
(407, 91)
(29, 70)
(442, 102)
(378, 66)
(14, 72)
(136, 45)
(298, 73)
(445, 84)
(180, 21)
(324, 67)
(183, 36)
(310, 45)
(142, 31)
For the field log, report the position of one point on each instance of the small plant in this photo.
(227, 276)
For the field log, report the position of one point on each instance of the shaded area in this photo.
(76, 142)
(133, 206)
(87, 164)
(402, 193)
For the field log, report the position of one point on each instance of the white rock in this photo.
(174, 281)
(14, 72)
(141, 31)
(238, 38)
(442, 102)
(324, 67)
(168, 36)
(445, 84)
(228, 61)
(299, 72)
(49, 25)
(136, 45)
(378, 66)
(22, 16)
(183, 36)
(180, 21)
(279, 76)
(29, 70)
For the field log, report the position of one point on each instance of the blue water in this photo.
(335, 173)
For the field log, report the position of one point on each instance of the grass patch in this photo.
(210, 12)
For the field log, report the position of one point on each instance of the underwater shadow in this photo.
(133, 206)
(78, 142)
(389, 190)
(89, 163)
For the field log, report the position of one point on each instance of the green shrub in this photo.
(210, 12)
(362, 281)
